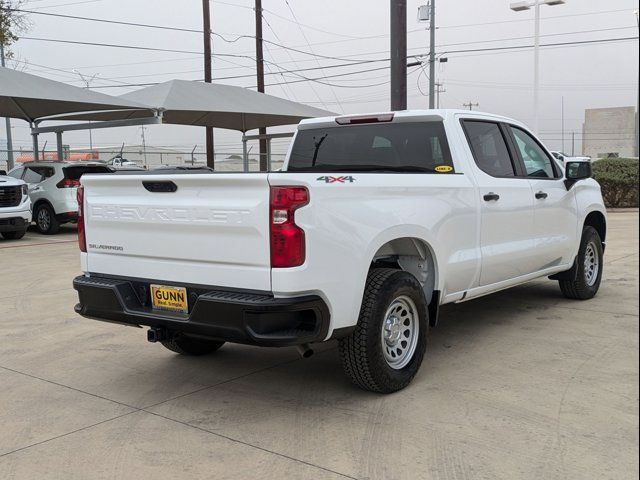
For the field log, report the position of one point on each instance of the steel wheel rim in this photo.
(591, 264)
(43, 219)
(399, 333)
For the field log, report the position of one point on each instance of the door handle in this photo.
(489, 197)
(541, 195)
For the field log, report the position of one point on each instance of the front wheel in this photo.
(590, 264)
(186, 345)
(46, 221)
(386, 349)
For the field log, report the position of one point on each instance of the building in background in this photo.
(610, 132)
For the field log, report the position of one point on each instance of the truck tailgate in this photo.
(200, 229)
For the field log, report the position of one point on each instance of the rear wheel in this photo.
(46, 221)
(186, 345)
(386, 349)
(14, 235)
(589, 265)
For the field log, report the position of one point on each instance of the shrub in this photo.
(618, 178)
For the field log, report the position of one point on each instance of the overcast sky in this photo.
(587, 76)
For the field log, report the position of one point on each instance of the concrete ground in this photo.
(523, 384)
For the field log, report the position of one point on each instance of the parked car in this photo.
(52, 188)
(15, 207)
(375, 222)
(564, 158)
(120, 163)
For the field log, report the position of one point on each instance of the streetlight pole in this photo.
(521, 6)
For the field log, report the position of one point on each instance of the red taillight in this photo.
(359, 119)
(287, 239)
(68, 183)
(82, 238)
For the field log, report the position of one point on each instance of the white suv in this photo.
(15, 208)
(52, 188)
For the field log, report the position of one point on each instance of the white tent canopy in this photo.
(31, 98)
(185, 102)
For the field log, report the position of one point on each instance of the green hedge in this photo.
(618, 178)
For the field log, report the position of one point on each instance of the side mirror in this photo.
(575, 171)
(3, 172)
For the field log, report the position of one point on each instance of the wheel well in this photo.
(597, 221)
(413, 256)
(41, 202)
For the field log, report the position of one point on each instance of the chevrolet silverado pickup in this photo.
(374, 222)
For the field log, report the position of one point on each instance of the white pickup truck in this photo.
(374, 222)
(15, 207)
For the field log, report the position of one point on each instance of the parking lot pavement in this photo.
(520, 384)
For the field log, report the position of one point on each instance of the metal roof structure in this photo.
(184, 102)
(33, 98)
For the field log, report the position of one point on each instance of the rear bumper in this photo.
(239, 317)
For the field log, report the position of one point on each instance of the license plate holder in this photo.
(169, 298)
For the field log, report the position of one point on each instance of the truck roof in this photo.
(407, 115)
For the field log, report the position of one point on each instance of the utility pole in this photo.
(87, 83)
(144, 145)
(398, 17)
(206, 27)
(439, 89)
(470, 105)
(7, 125)
(262, 158)
(432, 53)
(573, 144)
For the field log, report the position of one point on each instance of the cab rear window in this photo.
(381, 147)
(75, 172)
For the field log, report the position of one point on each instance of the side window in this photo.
(536, 161)
(16, 173)
(33, 175)
(489, 148)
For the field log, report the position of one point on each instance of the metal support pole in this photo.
(536, 68)
(268, 152)
(562, 121)
(34, 136)
(264, 162)
(206, 17)
(59, 146)
(7, 123)
(432, 54)
(245, 158)
(398, 16)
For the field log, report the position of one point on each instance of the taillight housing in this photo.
(68, 183)
(82, 238)
(286, 238)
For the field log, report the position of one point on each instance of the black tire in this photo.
(185, 345)
(362, 352)
(17, 235)
(585, 286)
(45, 219)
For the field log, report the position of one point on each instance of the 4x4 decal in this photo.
(343, 179)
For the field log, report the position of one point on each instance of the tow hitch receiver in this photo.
(156, 335)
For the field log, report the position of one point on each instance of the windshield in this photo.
(379, 147)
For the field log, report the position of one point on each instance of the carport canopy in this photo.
(33, 98)
(184, 102)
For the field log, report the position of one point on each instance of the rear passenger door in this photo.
(506, 199)
(555, 208)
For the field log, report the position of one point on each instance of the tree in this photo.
(12, 22)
